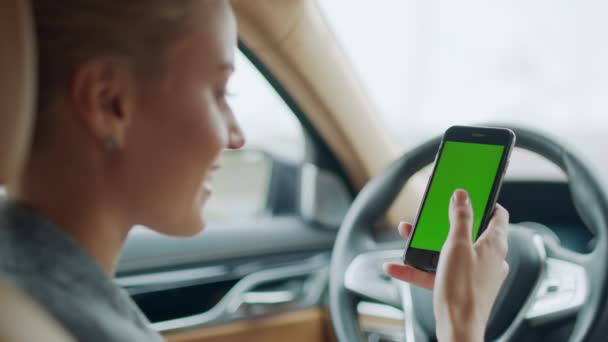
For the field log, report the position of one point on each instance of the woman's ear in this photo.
(101, 93)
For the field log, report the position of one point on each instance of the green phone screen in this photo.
(461, 165)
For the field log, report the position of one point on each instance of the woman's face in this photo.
(181, 122)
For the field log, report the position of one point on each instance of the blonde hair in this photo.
(70, 32)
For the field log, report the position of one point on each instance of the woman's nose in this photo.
(236, 138)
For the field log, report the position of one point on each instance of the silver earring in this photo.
(109, 144)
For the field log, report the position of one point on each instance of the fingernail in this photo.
(460, 197)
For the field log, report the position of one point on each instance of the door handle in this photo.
(269, 297)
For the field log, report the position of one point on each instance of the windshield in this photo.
(431, 64)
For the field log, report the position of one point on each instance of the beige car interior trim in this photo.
(24, 320)
(295, 42)
(17, 67)
(299, 326)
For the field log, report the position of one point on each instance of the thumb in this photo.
(461, 217)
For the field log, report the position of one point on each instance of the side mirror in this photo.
(241, 186)
(324, 198)
(318, 196)
(256, 183)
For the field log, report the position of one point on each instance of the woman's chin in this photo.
(194, 226)
(190, 224)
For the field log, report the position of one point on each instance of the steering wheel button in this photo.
(548, 287)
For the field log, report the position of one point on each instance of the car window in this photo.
(431, 64)
(268, 123)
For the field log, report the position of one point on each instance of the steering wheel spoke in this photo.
(561, 292)
(563, 286)
(366, 278)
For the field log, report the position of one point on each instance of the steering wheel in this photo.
(546, 281)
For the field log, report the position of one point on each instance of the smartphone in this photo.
(471, 158)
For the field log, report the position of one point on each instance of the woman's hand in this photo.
(469, 275)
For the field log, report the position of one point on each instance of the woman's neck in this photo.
(76, 199)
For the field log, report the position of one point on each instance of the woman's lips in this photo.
(207, 185)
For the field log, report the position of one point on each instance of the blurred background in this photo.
(430, 64)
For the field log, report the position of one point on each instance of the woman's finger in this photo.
(461, 217)
(405, 229)
(496, 235)
(410, 275)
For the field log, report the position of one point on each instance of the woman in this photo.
(130, 122)
(131, 119)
